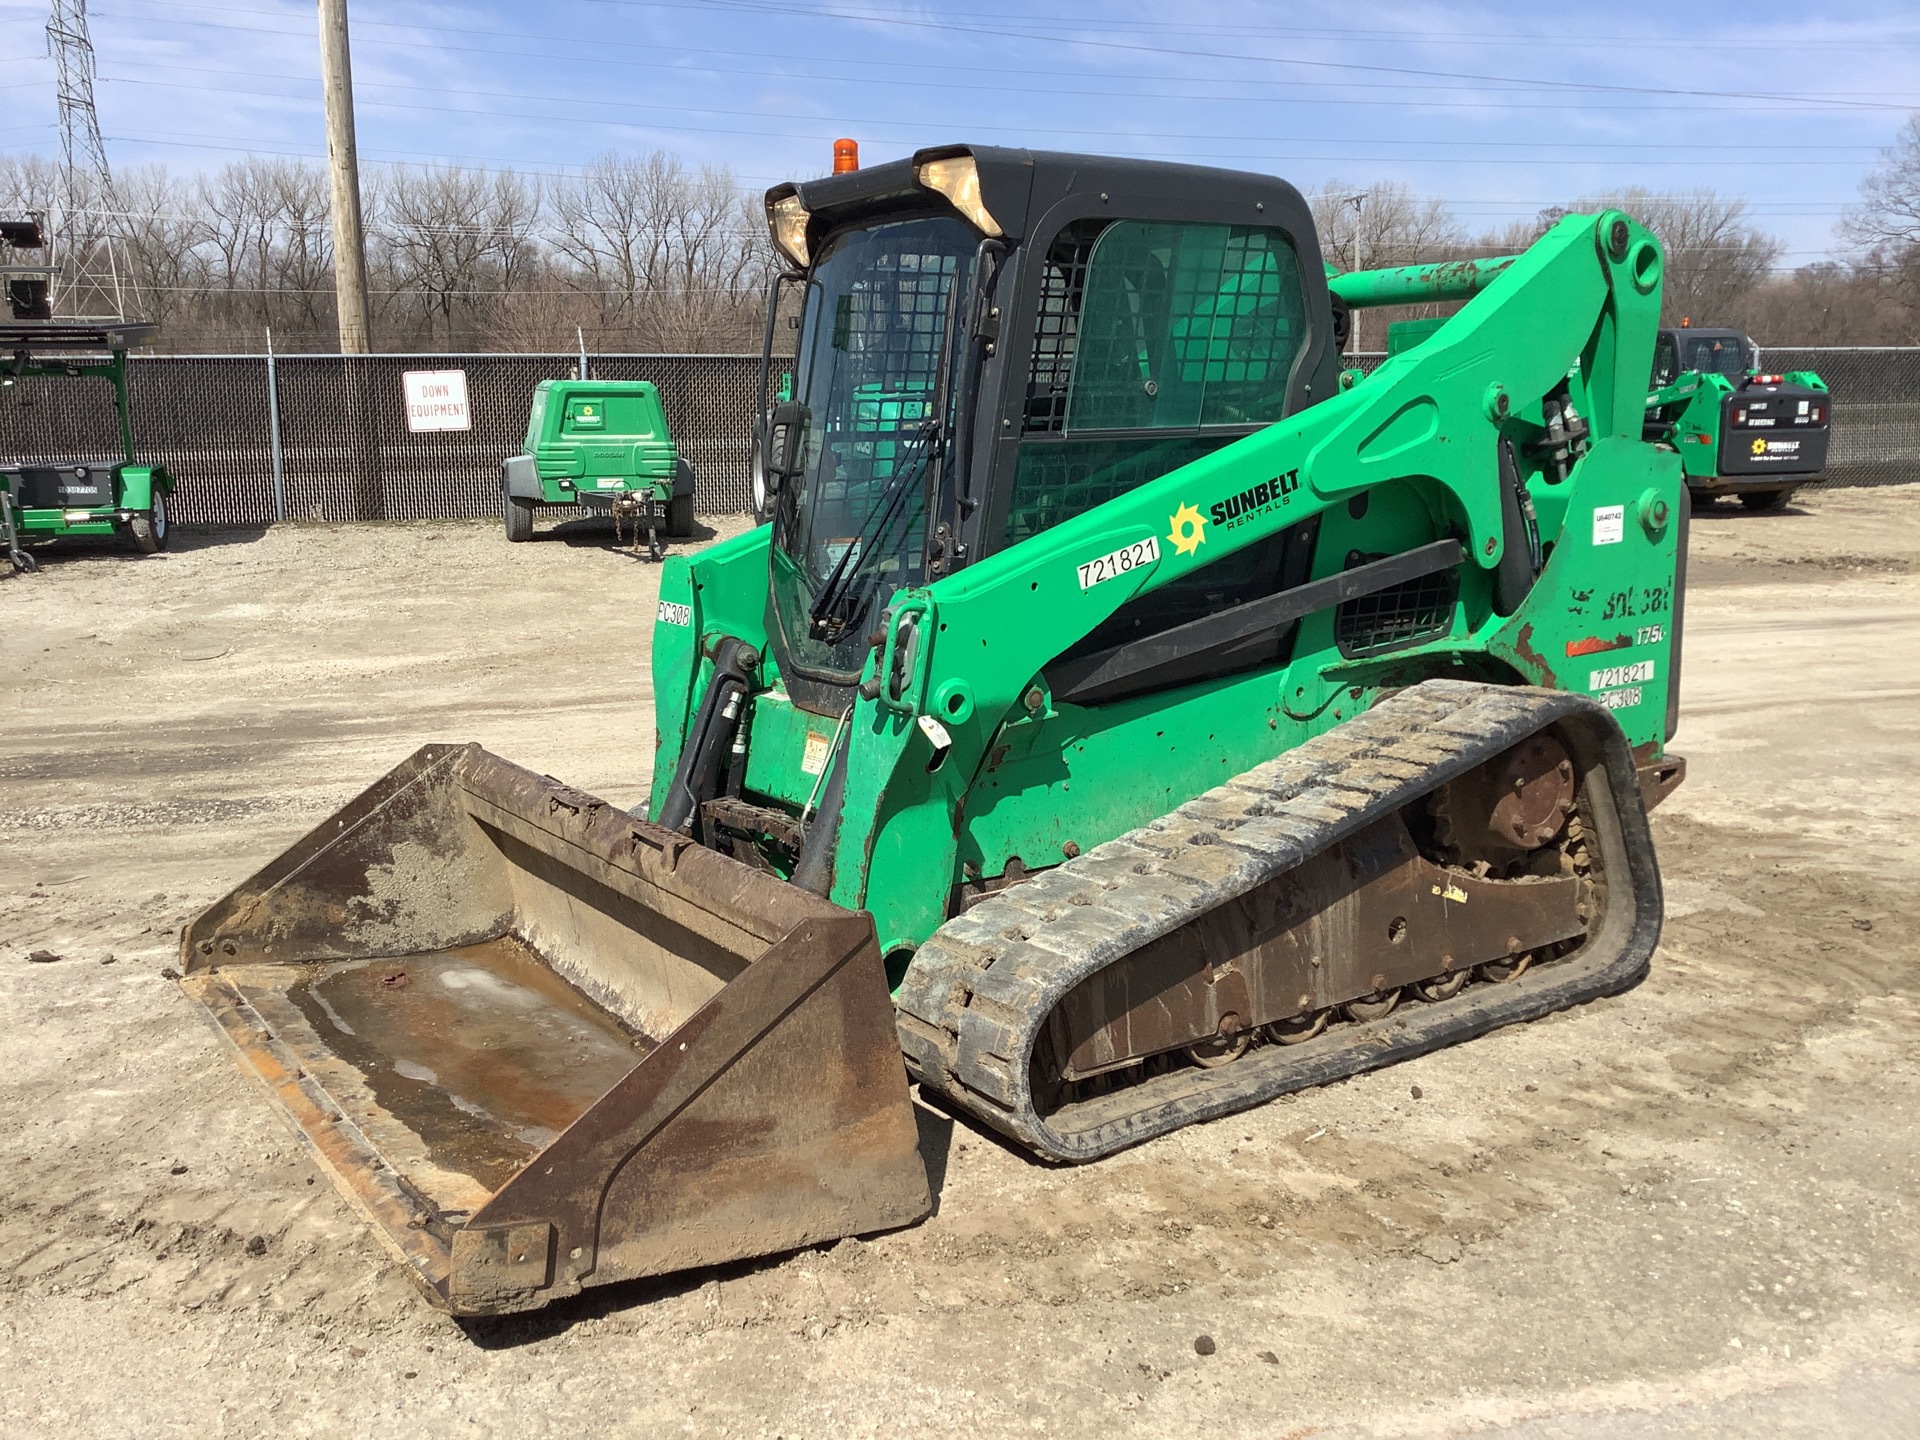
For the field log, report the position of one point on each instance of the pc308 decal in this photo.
(1619, 687)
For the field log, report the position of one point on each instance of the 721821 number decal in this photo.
(1127, 557)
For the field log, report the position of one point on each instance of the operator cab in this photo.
(990, 342)
(1711, 352)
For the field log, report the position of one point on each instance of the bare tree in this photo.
(449, 241)
(1889, 210)
(1715, 258)
(162, 248)
(676, 259)
(237, 203)
(1885, 225)
(609, 228)
(1373, 226)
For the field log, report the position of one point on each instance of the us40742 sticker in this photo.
(1127, 557)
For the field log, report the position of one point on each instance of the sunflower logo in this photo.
(1759, 446)
(1189, 530)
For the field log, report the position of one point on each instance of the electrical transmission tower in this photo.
(83, 226)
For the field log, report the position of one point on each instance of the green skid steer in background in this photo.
(1738, 432)
(1127, 714)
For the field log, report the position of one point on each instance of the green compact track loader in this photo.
(1738, 432)
(1127, 713)
(602, 444)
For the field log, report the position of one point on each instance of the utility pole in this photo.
(343, 169)
(1358, 202)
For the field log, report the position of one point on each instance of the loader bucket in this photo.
(543, 1045)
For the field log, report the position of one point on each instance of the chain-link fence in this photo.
(1876, 409)
(1876, 406)
(253, 438)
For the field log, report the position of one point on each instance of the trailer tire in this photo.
(149, 529)
(519, 519)
(680, 517)
(1765, 502)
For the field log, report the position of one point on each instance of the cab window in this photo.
(1157, 343)
(1185, 326)
(1718, 355)
(1666, 360)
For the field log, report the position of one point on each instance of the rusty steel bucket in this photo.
(543, 1045)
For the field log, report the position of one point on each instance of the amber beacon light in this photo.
(846, 156)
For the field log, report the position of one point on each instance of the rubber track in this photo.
(977, 995)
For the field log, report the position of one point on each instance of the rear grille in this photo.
(1398, 616)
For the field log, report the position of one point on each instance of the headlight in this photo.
(787, 219)
(958, 178)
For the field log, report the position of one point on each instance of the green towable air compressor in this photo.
(1128, 714)
(602, 444)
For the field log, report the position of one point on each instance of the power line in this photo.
(1664, 146)
(653, 50)
(1479, 39)
(1348, 67)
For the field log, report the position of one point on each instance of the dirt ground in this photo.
(1691, 1210)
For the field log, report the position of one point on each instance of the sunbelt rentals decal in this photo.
(1241, 508)
(1187, 528)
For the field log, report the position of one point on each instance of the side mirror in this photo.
(776, 452)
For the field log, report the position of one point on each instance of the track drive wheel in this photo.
(1765, 502)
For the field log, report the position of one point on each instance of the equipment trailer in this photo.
(94, 496)
(1165, 717)
(86, 497)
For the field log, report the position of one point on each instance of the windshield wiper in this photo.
(887, 506)
(877, 526)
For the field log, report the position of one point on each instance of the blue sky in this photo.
(1500, 108)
